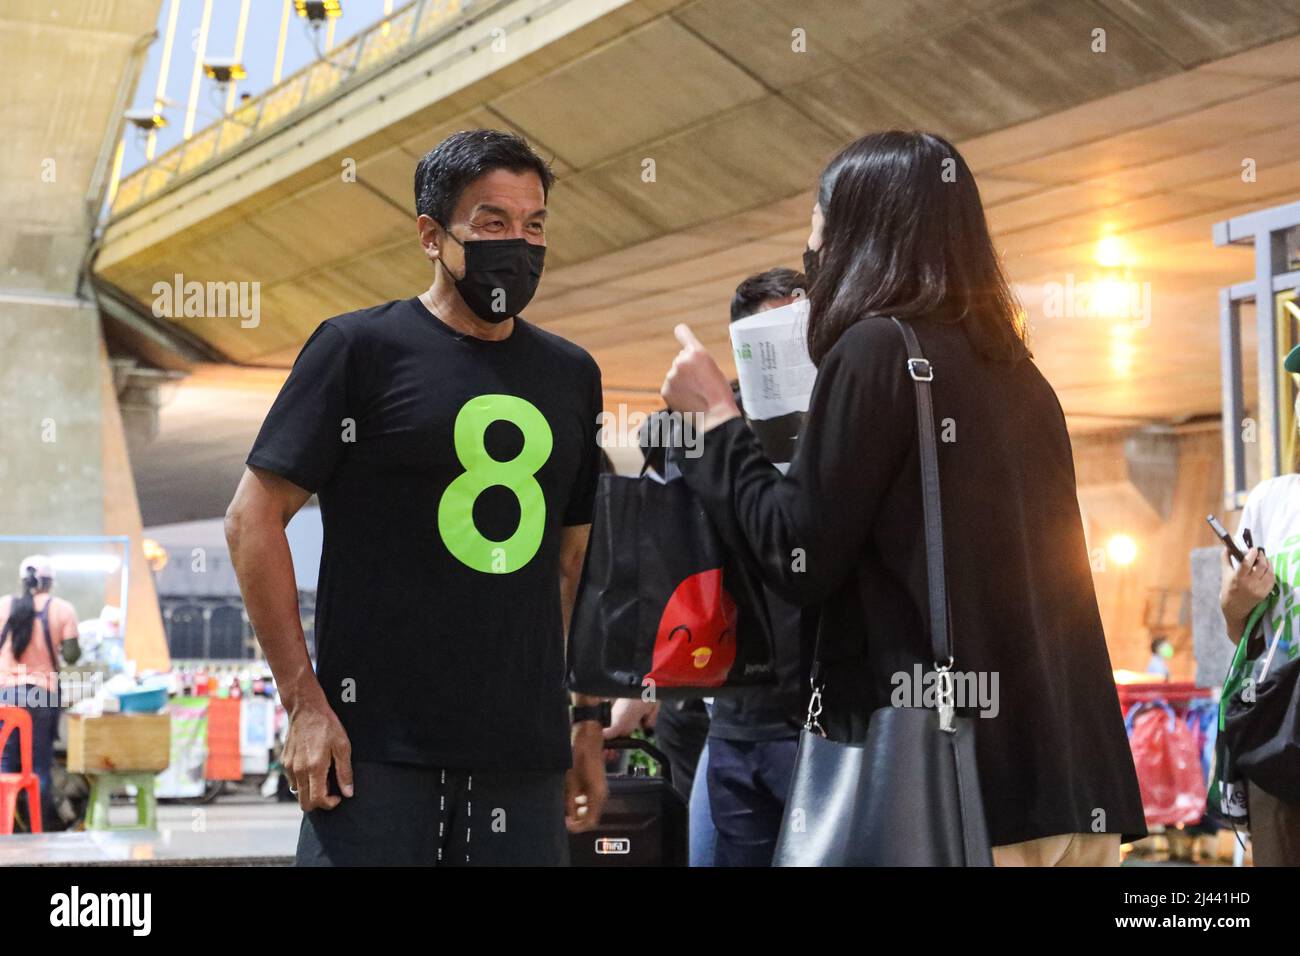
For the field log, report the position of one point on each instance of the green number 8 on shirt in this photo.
(456, 509)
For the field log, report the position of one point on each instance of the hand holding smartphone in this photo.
(1222, 533)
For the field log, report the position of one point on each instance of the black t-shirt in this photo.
(446, 467)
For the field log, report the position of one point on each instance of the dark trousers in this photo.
(45, 728)
(1274, 829)
(748, 784)
(422, 816)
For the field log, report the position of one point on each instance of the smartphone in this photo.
(1226, 538)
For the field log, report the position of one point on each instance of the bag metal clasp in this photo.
(815, 711)
(946, 697)
(920, 370)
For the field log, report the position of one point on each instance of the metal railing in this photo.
(366, 51)
(1274, 292)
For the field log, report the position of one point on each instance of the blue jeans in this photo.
(44, 712)
(748, 784)
(702, 835)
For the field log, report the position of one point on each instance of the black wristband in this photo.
(598, 712)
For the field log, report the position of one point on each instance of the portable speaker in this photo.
(644, 823)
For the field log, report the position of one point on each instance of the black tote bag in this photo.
(1261, 730)
(910, 794)
(663, 607)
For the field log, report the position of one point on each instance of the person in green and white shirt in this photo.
(1272, 514)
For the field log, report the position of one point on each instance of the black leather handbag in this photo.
(910, 794)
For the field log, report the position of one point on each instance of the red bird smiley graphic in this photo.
(695, 645)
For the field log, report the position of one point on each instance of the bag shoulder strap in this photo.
(44, 618)
(922, 374)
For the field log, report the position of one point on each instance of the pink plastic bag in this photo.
(1168, 765)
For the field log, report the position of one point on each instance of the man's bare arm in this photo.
(585, 788)
(255, 522)
(573, 552)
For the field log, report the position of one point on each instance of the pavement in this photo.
(234, 830)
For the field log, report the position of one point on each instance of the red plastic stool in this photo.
(11, 719)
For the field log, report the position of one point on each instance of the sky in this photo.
(258, 57)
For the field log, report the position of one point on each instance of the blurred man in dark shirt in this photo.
(752, 736)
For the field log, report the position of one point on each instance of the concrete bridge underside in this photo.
(1145, 141)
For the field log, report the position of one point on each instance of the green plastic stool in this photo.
(102, 788)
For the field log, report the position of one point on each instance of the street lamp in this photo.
(146, 121)
(317, 11)
(224, 69)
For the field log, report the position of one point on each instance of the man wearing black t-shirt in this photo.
(453, 449)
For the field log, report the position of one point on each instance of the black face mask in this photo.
(501, 276)
(810, 266)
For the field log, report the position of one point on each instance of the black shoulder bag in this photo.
(662, 603)
(1259, 722)
(909, 795)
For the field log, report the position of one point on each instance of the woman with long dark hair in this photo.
(899, 231)
(33, 626)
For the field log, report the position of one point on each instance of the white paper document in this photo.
(776, 375)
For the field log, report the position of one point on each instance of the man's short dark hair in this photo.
(444, 172)
(764, 287)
